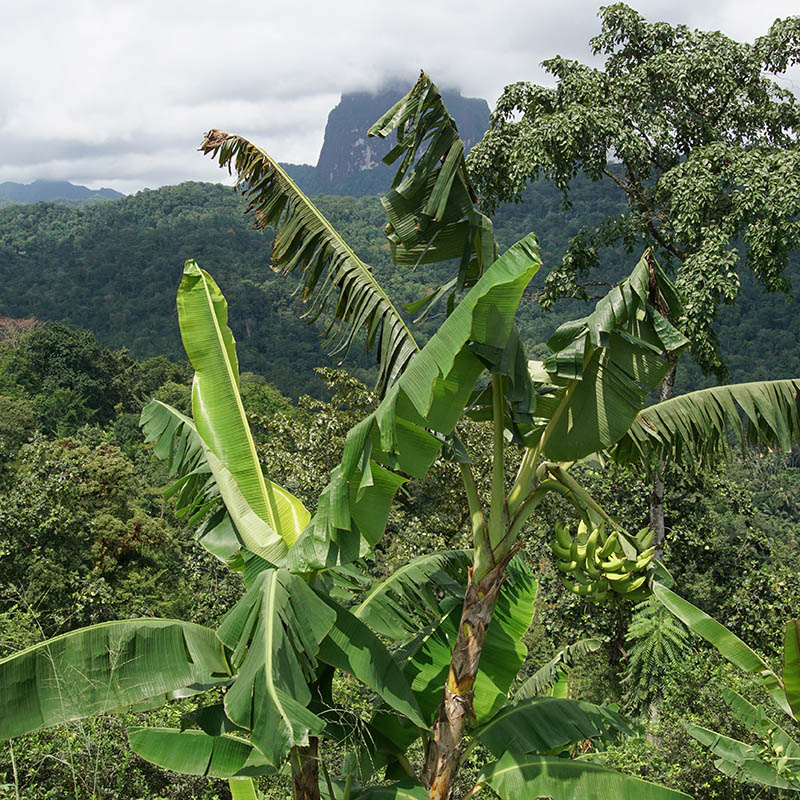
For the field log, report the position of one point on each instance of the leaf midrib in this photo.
(268, 500)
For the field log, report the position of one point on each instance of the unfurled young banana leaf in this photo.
(431, 211)
(218, 412)
(695, 428)
(407, 430)
(333, 279)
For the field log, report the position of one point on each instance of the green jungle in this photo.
(485, 486)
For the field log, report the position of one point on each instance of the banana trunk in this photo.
(456, 710)
(305, 771)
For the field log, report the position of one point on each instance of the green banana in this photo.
(613, 564)
(562, 535)
(616, 577)
(560, 552)
(629, 585)
(608, 547)
(645, 558)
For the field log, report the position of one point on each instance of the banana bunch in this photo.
(593, 563)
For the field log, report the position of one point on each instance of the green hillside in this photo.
(112, 267)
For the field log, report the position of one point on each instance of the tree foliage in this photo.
(703, 147)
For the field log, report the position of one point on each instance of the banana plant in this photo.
(587, 397)
(276, 652)
(775, 760)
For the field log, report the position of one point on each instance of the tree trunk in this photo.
(444, 748)
(305, 771)
(657, 491)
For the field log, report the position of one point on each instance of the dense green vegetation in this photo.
(112, 268)
(323, 648)
(87, 538)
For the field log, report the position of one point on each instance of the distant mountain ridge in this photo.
(350, 162)
(50, 191)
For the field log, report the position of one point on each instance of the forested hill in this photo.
(45, 191)
(114, 268)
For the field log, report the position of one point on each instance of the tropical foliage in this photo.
(277, 656)
(704, 139)
(775, 759)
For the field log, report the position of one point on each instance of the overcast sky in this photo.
(118, 93)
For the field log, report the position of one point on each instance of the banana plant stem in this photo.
(563, 477)
(484, 557)
(523, 481)
(498, 511)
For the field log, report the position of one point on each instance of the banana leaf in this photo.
(728, 644)
(604, 365)
(430, 207)
(176, 441)
(104, 668)
(406, 431)
(755, 719)
(333, 278)
(220, 417)
(243, 789)
(404, 603)
(739, 760)
(274, 633)
(547, 675)
(353, 648)
(541, 724)
(503, 653)
(695, 428)
(197, 753)
(516, 777)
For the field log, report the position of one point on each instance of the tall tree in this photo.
(697, 134)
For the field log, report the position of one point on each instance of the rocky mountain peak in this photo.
(347, 152)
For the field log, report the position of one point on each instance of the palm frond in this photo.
(549, 673)
(333, 277)
(697, 427)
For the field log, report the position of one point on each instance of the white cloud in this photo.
(118, 93)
